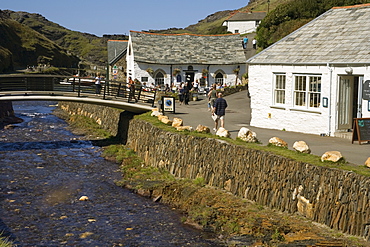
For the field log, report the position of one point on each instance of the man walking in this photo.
(245, 42)
(219, 110)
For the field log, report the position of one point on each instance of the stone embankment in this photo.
(334, 197)
(7, 115)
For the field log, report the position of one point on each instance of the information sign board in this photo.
(168, 104)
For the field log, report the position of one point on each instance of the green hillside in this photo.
(21, 46)
(89, 48)
(28, 39)
(291, 15)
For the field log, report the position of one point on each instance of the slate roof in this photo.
(116, 49)
(247, 16)
(187, 48)
(340, 35)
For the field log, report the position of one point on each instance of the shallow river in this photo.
(45, 170)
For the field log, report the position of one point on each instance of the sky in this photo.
(120, 16)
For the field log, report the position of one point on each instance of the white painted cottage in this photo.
(167, 58)
(244, 22)
(312, 80)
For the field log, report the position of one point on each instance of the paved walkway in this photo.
(238, 115)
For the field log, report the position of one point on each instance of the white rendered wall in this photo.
(242, 26)
(288, 117)
(230, 78)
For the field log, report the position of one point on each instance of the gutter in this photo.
(311, 64)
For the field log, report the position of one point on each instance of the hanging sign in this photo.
(366, 90)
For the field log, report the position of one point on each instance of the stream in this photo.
(46, 171)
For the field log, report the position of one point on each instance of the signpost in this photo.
(168, 104)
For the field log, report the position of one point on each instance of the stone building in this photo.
(312, 81)
(172, 58)
(116, 59)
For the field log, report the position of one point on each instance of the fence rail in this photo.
(74, 86)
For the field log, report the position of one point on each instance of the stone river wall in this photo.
(336, 198)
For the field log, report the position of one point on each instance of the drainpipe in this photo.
(208, 75)
(330, 96)
(171, 79)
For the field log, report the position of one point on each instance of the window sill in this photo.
(278, 107)
(305, 110)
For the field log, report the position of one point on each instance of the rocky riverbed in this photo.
(56, 190)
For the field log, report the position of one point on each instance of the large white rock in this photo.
(247, 135)
(156, 113)
(333, 156)
(367, 162)
(202, 129)
(177, 122)
(276, 141)
(222, 132)
(183, 128)
(301, 147)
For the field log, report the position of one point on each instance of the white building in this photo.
(167, 58)
(312, 80)
(244, 22)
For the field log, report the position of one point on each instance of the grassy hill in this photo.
(289, 15)
(89, 48)
(26, 39)
(20, 46)
(29, 39)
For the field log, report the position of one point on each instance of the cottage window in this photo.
(314, 93)
(279, 91)
(159, 78)
(219, 79)
(307, 91)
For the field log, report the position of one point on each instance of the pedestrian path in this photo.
(238, 114)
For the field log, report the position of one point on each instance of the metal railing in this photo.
(75, 87)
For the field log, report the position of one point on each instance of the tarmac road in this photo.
(238, 114)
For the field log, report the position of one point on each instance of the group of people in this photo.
(245, 43)
(184, 91)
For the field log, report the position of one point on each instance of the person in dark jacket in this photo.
(186, 94)
(219, 110)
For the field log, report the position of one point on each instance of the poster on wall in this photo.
(168, 104)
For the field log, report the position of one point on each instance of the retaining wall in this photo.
(336, 198)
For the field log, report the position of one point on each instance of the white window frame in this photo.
(307, 91)
(279, 91)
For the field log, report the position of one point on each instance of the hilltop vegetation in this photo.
(20, 46)
(32, 39)
(291, 15)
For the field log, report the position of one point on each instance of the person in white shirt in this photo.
(97, 83)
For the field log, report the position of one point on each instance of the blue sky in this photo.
(120, 16)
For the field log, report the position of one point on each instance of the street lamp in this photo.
(268, 6)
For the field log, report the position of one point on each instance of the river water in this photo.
(45, 170)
